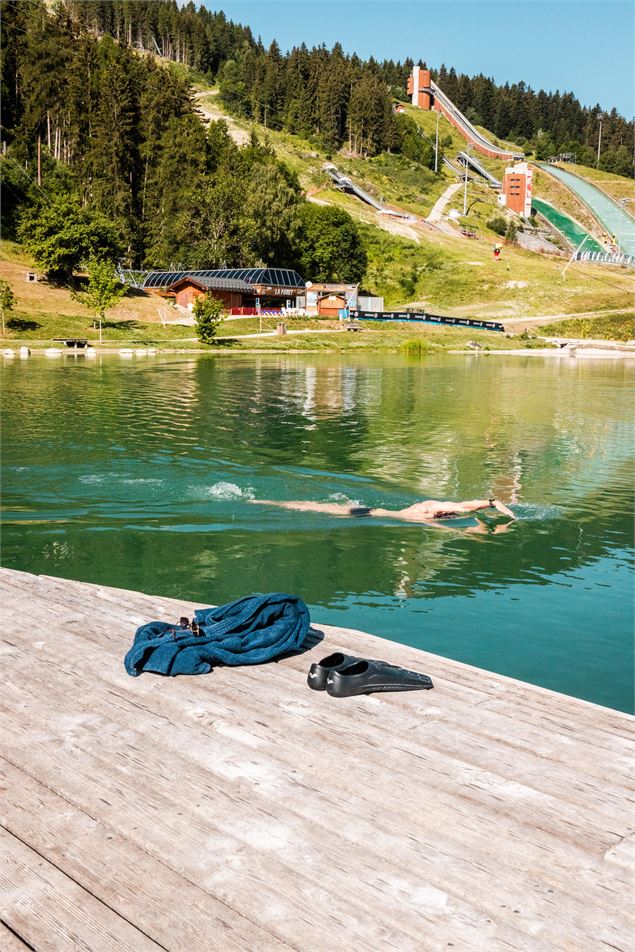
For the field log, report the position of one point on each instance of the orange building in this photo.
(517, 188)
(230, 292)
(247, 289)
(419, 86)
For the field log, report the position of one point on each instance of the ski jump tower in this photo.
(425, 94)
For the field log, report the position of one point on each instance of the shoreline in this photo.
(613, 350)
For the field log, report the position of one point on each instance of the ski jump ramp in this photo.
(345, 184)
(466, 159)
(454, 115)
(425, 94)
(615, 220)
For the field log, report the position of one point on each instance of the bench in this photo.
(72, 341)
(352, 326)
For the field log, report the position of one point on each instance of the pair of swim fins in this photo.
(343, 675)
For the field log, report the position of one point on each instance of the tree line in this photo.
(545, 123)
(106, 156)
(342, 100)
(116, 130)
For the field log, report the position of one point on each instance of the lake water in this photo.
(139, 473)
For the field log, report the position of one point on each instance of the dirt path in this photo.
(436, 212)
(212, 112)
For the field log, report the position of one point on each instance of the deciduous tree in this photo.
(7, 300)
(62, 235)
(103, 291)
(328, 245)
(207, 313)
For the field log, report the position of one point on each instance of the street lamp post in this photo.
(436, 146)
(597, 163)
(465, 184)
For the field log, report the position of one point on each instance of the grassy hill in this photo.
(426, 273)
(410, 263)
(413, 263)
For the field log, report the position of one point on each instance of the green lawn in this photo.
(414, 340)
(34, 327)
(611, 327)
(461, 278)
(396, 338)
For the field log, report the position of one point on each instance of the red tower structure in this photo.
(419, 87)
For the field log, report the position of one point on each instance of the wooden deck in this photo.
(242, 811)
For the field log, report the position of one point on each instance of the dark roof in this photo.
(219, 284)
(269, 277)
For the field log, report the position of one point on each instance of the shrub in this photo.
(498, 224)
(7, 300)
(511, 231)
(207, 312)
(416, 348)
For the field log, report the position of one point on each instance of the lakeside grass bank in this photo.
(311, 335)
(39, 331)
(459, 279)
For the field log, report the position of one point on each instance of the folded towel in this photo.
(251, 630)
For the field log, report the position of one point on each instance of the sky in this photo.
(572, 45)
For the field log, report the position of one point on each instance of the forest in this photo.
(340, 99)
(127, 169)
(89, 86)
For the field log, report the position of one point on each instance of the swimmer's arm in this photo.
(506, 511)
(332, 508)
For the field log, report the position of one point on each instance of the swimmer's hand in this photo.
(482, 528)
(506, 511)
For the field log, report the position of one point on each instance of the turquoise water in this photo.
(139, 474)
(616, 222)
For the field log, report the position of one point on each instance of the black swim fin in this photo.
(367, 677)
(318, 673)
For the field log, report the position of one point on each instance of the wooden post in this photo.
(39, 160)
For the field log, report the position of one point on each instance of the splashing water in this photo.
(224, 490)
(342, 497)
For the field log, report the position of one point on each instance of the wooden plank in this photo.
(479, 815)
(262, 859)
(520, 843)
(536, 714)
(484, 757)
(484, 765)
(10, 942)
(125, 878)
(50, 911)
(124, 605)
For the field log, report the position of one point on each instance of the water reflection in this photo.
(140, 475)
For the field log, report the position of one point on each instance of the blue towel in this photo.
(251, 630)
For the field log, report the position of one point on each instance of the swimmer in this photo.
(427, 512)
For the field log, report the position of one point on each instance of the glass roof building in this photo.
(260, 279)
